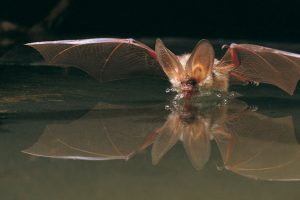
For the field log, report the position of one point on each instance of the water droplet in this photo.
(219, 95)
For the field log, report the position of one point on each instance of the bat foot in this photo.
(225, 46)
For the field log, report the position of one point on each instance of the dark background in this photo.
(251, 20)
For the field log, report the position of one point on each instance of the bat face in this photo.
(188, 72)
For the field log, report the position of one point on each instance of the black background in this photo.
(251, 20)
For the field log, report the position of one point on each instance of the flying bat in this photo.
(108, 59)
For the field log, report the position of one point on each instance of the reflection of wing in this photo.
(254, 63)
(103, 133)
(104, 59)
(260, 147)
(197, 144)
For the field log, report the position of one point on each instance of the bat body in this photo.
(108, 59)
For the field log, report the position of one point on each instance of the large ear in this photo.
(169, 61)
(167, 137)
(201, 60)
(196, 143)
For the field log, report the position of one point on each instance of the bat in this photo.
(251, 144)
(108, 59)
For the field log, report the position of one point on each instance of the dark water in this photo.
(69, 117)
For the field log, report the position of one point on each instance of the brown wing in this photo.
(106, 132)
(252, 63)
(105, 59)
(260, 147)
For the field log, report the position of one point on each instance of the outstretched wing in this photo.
(106, 132)
(257, 64)
(105, 59)
(261, 147)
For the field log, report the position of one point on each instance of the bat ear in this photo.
(197, 145)
(167, 137)
(169, 61)
(201, 60)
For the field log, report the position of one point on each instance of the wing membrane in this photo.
(261, 147)
(252, 63)
(105, 59)
(101, 134)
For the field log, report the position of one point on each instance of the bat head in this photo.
(187, 75)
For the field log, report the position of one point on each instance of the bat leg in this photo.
(234, 57)
(239, 77)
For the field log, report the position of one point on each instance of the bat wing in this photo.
(252, 63)
(107, 132)
(105, 59)
(261, 147)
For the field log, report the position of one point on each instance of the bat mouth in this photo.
(189, 87)
(188, 118)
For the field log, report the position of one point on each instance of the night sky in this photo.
(251, 20)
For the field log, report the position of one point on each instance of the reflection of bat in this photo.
(193, 134)
(109, 59)
(250, 143)
(195, 126)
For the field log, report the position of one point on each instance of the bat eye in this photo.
(192, 82)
